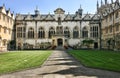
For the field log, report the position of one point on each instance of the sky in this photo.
(48, 6)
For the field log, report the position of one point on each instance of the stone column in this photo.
(80, 29)
(46, 34)
(36, 37)
(71, 34)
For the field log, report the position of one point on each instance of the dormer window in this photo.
(59, 21)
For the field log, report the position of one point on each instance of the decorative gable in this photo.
(38, 17)
(77, 17)
(49, 17)
(3, 10)
(87, 17)
(68, 17)
(105, 12)
(111, 9)
(13, 15)
(96, 17)
(28, 17)
(8, 13)
(117, 6)
(19, 17)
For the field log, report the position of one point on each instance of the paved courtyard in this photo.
(62, 65)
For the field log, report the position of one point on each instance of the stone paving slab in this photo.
(62, 65)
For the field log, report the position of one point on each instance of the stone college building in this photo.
(45, 31)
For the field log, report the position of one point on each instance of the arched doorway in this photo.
(95, 45)
(60, 42)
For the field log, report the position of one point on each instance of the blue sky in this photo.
(48, 6)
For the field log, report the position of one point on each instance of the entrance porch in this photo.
(59, 40)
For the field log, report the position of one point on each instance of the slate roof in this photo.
(51, 17)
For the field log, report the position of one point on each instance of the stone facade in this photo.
(58, 29)
(6, 28)
(110, 14)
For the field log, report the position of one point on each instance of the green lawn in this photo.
(21, 60)
(98, 59)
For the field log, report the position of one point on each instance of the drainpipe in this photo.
(100, 30)
(113, 31)
(35, 34)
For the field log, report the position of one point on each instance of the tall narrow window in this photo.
(67, 32)
(24, 32)
(51, 32)
(11, 21)
(0, 28)
(110, 29)
(59, 30)
(4, 42)
(59, 21)
(41, 33)
(116, 14)
(31, 33)
(8, 19)
(5, 30)
(106, 19)
(9, 30)
(19, 32)
(3, 17)
(106, 30)
(94, 32)
(0, 16)
(117, 27)
(75, 32)
(110, 19)
(85, 32)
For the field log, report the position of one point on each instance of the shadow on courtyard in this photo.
(76, 69)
